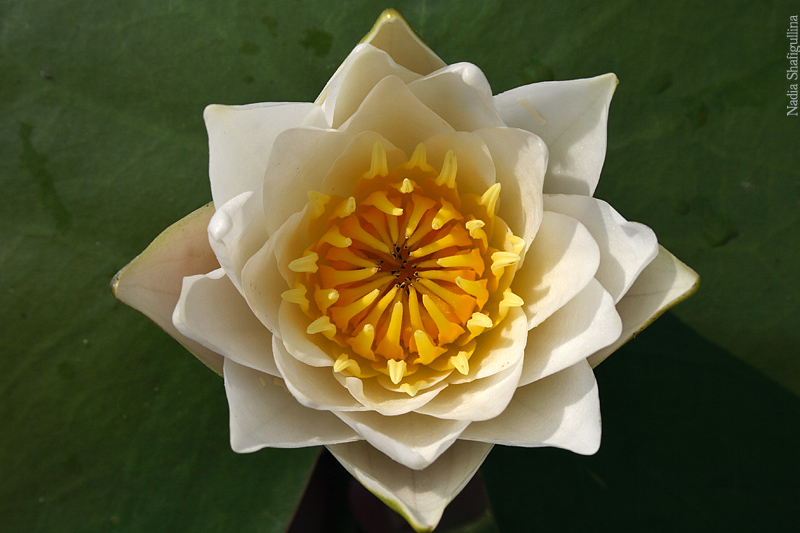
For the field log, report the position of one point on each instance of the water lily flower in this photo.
(408, 270)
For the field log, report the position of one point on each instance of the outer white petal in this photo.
(300, 160)
(393, 111)
(265, 276)
(237, 231)
(388, 403)
(420, 496)
(561, 261)
(520, 159)
(362, 70)
(213, 312)
(314, 387)
(585, 324)
(413, 440)
(562, 410)
(663, 283)
(310, 349)
(240, 140)
(625, 247)
(481, 399)
(571, 117)
(460, 95)
(151, 283)
(263, 413)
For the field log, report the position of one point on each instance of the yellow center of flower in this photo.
(405, 275)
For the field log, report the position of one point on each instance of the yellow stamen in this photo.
(405, 187)
(476, 289)
(471, 260)
(346, 255)
(322, 325)
(380, 307)
(448, 330)
(307, 263)
(413, 309)
(509, 300)
(410, 389)
(462, 304)
(456, 237)
(421, 206)
(378, 165)
(325, 298)
(501, 260)
(333, 278)
(489, 199)
(445, 214)
(379, 200)
(297, 296)
(389, 346)
(335, 238)
(517, 243)
(319, 201)
(343, 315)
(427, 351)
(362, 343)
(449, 169)
(418, 160)
(345, 208)
(353, 229)
(343, 362)
(460, 362)
(397, 370)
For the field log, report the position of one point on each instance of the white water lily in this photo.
(408, 270)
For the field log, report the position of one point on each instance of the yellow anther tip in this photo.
(307, 263)
(397, 370)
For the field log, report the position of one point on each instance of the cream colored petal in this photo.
(481, 399)
(562, 410)
(476, 170)
(151, 283)
(571, 117)
(355, 160)
(587, 323)
(420, 496)
(213, 312)
(625, 247)
(312, 386)
(393, 35)
(265, 275)
(520, 159)
(413, 440)
(392, 111)
(300, 160)
(389, 403)
(561, 261)
(240, 140)
(362, 70)
(237, 231)
(263, 413)
(663, 283)
(498, 348)
(312, 350)
(461, 95)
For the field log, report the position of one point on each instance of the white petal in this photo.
(520, 160)
(355, 160)
(413, 440)
(237, 231)
(263, 413)
(265, 276)
(151, 283)
(362, 70)
(663, 283)
(371, 394)
(459, 94)
(300, 160)
(392, 34)
(310, 349)
(561, 261)
(481, 399)
(314, 387)
(392, 111)
(240, 140)
(498, 348)
(625, 247)
(571, 117)
(562, 410)
(420, 496)
(587, 323)
(213, 312)
(476, 171)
